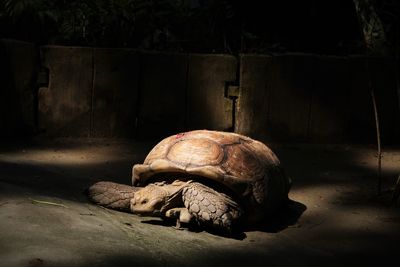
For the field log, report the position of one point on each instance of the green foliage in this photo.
(179, 25)
(389, 13)
(379, 23)
(151, 24)
(89, 22)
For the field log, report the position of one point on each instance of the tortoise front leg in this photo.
(211, 208)
(182, 215)
(112, 195)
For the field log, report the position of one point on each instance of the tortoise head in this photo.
(153, 199)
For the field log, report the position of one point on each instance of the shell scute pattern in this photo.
(241, 164)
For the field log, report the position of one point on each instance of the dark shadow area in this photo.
(284, 218)
(287, 216)
(64, 168)
(352, 169)
(275, 255)
(41, 181)
(318, 99)
(69, 143)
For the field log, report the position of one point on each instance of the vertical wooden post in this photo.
(396, 192)
(378, 139)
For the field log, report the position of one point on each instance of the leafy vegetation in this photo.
(188, 25)
(152, 24)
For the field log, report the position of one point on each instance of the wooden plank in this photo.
(65, 106)
(331, 97)
(341, 106)
(115, 92)
(290, 98)
(274, 102)
(383, 74)
(208, 108)
(252, 105)
(162, 102)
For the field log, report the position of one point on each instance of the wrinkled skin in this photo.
(153, 199)
(179, 200)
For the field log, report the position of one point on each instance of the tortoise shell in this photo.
(246, 166)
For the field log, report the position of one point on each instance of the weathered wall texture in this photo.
(65, 105)
(114, 92)
(130, 93)
(98, 92)
(162, 106)
(18, 72)
(308, 98)
(273, 96)
(208, 106)
(91, 92)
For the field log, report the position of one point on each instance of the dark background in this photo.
(298, 71)
(329, 26)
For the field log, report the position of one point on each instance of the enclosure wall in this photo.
(98, 92)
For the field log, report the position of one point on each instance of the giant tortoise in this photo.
(218, 180)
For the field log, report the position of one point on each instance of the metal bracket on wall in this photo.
(43, 77)
(232, 91)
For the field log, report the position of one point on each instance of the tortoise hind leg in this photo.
(211, 208)
(111, 195)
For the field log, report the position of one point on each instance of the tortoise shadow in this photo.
(287, 216)
(194, 228)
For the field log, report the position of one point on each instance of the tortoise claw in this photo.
(178, 226)
(181, 215)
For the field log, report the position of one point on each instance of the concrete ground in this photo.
(335, 217)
